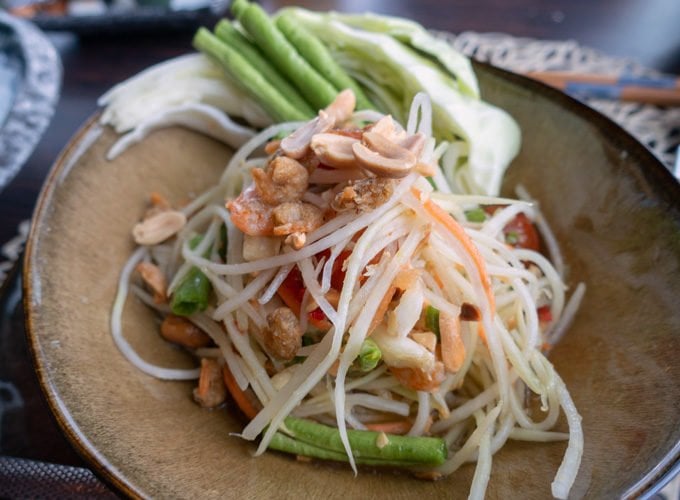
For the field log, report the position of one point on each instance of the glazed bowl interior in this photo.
(615, 213)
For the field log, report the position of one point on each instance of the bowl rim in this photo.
(659, 179)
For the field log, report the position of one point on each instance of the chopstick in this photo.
(662, 90)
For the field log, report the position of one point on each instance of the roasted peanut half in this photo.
(154, 279)
(181, 331)
(335, 150)
(283, 336)
(296, 144)
(383, 157)
(159, 227)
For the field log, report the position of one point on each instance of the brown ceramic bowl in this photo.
(615, 211)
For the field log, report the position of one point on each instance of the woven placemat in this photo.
(656, 127)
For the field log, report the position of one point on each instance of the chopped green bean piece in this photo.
(432, 319)
(475, 215)
(369, 355)
(286, 444)
(193, 292)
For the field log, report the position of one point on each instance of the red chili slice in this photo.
(520, 232)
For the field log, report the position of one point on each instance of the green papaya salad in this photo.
(353, 285)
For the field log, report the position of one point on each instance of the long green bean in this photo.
(247, 77)
(366, 445)
(226, 32)
(318, 56)
(317, 91)
(284, 443)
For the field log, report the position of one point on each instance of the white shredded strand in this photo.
(546, 232)
(117, 329)
(419, 424)
(566, 474)
(483, 470)
(421, 107)
(275, 283)
(328, 267)
(360, 330)
(554, 335)
(249, 292)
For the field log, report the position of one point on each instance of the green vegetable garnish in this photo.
(432, 319)
(222, 247)
(193, 292)
(475, 215)
(369, 355)
(511, 238)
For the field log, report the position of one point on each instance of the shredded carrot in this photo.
(271, 147)
(211, 391)
(394, 427)
(159, 201)
(382, 309)
(459, 233)
(453, 348)
(240, 398)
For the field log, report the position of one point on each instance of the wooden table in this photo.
(645, 30)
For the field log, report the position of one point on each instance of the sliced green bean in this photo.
(432, 319)
(317, 91)
(247, 77)
(318, 56)
(369, 355)
(226, 32)
(193, 292)
(287, 444)
(365, 444)
(475, 215)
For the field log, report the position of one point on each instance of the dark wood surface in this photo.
(645, 30)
